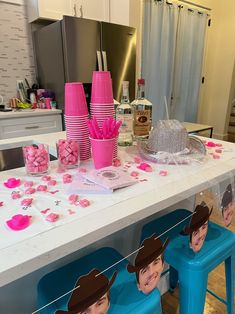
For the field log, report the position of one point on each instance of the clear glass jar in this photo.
(68, 153)
(36, 159)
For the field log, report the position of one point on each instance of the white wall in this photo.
(215, 102)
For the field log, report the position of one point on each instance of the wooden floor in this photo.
(216, 283)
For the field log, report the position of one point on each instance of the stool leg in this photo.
(173, 278)
(229, 272)
(193, 287)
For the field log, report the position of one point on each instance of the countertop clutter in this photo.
(28, 113)
(42, 243)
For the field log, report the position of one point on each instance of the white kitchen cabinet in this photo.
(114, 11)
(93, 9)
(16, 125)
(49, 9)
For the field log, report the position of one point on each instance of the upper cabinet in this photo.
(49, 9)
(114, 11)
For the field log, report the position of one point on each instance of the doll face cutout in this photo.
(228, 213)
(149, 276)
(198, 237)
(101, 306)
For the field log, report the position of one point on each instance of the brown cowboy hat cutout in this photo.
(200, 216)
(198, 226)
(90, 288)
(227, 205)
(149, 263)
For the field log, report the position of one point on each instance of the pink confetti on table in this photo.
(82, 170)
(218, 145)
(30, 191)
(71, 212)
(42, 188)
(218, 151)
(145, 167)
(216, 156)
(46, 178)
(26, 202)
(52, 182)
(134, 174)
(84, 203)
(45, 210)
(1, 204)
(53, 192)
(15, 195)
(12, 183)
(28, 184)
(117, 163)
(73, 198)
(67, 178)
(210, 144)
(52, 217)
(163, 173)
(18, 222)
(137, 160)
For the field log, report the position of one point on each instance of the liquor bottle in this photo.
(124, 112)
(142, 112)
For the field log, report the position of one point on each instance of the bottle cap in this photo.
(141, 81)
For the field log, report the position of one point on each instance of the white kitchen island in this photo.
(35, 252)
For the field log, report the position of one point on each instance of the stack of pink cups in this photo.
(102, 105)
(76, 116)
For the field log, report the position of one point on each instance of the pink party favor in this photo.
(36, 159)
(68, 153)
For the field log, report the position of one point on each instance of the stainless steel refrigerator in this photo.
(67, 50)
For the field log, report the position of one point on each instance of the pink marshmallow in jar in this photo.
(36, 159)
(68, 153)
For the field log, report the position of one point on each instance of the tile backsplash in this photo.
(16, 50)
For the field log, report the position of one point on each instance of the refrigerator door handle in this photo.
(104, 55)
(99, 59)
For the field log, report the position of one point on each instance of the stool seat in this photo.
(192, 269)
(124, 295)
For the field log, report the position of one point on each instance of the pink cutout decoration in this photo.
(134, 174)
(71, 212)
(145, 167)
(15, 195)
(67, 178)
(163, 173)
(46, 178)
(18, 222)
(137, 160)
(42, 188)
(45, 210)
(53, 192)
(117, 163)
(52, 217)
(12, 183)
(73, 198)
(210, 144)
(28, 184)
(30, 191)
(84, 203)
(52, 182)
(26, 202)
(82, 170)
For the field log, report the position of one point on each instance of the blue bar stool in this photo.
(192, 269)
(124, 295)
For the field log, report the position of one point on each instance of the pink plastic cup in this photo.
(36, 159)
(75, 100)
(102, 152)
(101, 89)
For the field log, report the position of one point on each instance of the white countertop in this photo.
(31, 254)
(28, 113)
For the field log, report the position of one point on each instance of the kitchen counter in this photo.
(28, 113)
(182, 182)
